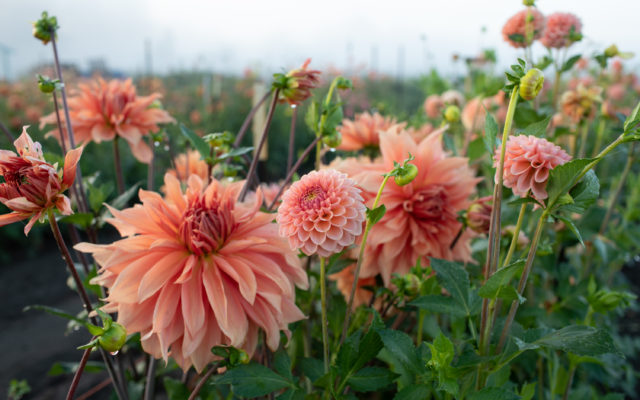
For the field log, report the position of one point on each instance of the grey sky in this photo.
(276, 34)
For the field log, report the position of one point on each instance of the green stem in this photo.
(616, 194)
(323, 301)
(599, 136)
(323, 121)
(421, 315)
(356, 274)
(584, 134)
(572, 372)
(516, 233)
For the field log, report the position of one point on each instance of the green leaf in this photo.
(55, 311)
(376, 214)
(338, 262)
(442, 352)
(633, 119)
(569, 223)
(439, 304)
(119, 202)
(311, 117)
(357, 350)
(538, 129)
(493, 393)
(413, 392)
(570, 63)
(371, 378)
(401, 348)
(196, 141)
(254, 380)
(528, 391)
(578, 339)
(312, 368)
(65, 368)
(82, 220)
(334, 118)
(453, 277)
(497, 285)
(563, 177)
(235, 153)
(282, 364)
(584, 194)
(490, 133)
(176, 390)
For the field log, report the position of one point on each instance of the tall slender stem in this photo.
(247, 120)
(78, 374)
(616, 193)
(599, 136)
(292, 138)
(151, 166)
(263, 139)
(150, 385)
(293, 171)
(516, 233)
(323, 304)
(356, 274)
(6, 132)
(117, 166)
(584, 134)
(202, 381)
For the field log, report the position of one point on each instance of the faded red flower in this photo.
(514, 30)
(31, 185)
(299, 84)
(198, 269)
(559, 30)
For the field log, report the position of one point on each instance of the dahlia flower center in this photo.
(427, 204)
(312, 198)
(204, 230)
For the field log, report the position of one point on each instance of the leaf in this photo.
(311, 117)
(490, 132)
(54, 311)
(63, 368)
(338, 262)
(282, 364)
(584, 194)
(528, 391)
(633, 119)
(439, 304)
(235, 153)
(563, 177)
(312, 368)
(334, 118)
(176, 390)
(500, 280)
(376, 214)
(254, 380)
(413, 392)
(371, 378)
(578, 339)
(196, 141)
(453, 277)
(357, 350)
(572, 227)
(494, 393)
(401, 348)
(570, 63)
(82, 220)
(538, 129)
(119, 202)
(442, 352)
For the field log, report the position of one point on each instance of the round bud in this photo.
(611, 51)
(333, 140)
(46, 85)
(407, 173)
(531, 84)
(452, 114)
(528, 3)
(113, 338)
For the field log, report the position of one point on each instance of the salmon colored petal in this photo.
(70, 166)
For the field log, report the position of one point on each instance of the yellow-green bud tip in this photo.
(531, 84)
(452, 114)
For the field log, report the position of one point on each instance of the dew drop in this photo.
(115, 353)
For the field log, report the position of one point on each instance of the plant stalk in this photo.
(323, 303)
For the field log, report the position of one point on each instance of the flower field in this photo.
(331, 235)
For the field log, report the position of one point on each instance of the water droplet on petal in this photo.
(115, 353)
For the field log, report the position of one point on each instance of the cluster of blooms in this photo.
(555, 31)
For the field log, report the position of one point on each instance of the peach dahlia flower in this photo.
(102, 110)
(514, 30)
(433, 106)
(198, 269)
(421, 217)
(31, 185)
(363, 131)
(321, 213)
(557, 33)
(187, 164)
(528, 160)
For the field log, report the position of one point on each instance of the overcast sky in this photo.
(400, 37)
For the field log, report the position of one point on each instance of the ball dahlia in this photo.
(433, 106)
(198, 269)
(560, 31)
(102, 110)
(514, 30)
(322, 213)
(527, 162)
(363, 132)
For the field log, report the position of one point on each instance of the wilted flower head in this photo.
(198, 269)
(364, 131)
(102, 110)
(561, 31)
(322, 213)
(421, 218)
(514, 31)
(31, 185)
(433, 106)
(299, 83)
(527, 162)
(581, 102)
(479, 214)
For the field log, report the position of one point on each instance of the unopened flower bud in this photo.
(113, 338)
(611, 51)
(479, 214)
(333, 140)
(45, 84)
(412, 284)
(452, 114)
(528, 3)
(44, 27)
(406, 174)
(531, 84)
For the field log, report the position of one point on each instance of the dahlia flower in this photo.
(31, 185)
(363, 131)
(187, 164)
(514, 30)
(527, 162)
(559, 30)
(421, 218)
(322, 213)
(473, 114)
(198, 269)
(299, 84)
(102, 110)
(580, 103)
(452, 97)
(344, 283)
(433, 106)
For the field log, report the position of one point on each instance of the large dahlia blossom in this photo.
(102, 110)
(198, 269)
(363, 132)
(421, 220)
(322, 213)
(31, 185)
(559, 30)
(527, 162)
(514, 30)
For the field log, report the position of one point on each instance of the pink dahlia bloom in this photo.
(433, 106)
(364, 292)
(31, 185)
(187, 164)
(322, 213)
(421, 220)
(527, 162)
(514, 31)
(198, 269)
(363, 131)
(102, 110)
(557, 33)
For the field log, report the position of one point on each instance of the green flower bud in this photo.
(412, 284)
(113, 338)
(406, 174)
(611, 51)
(333, 140)
(528, 3)
(531, 84)
(452, 114)
(43, 27)
(46, 85)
